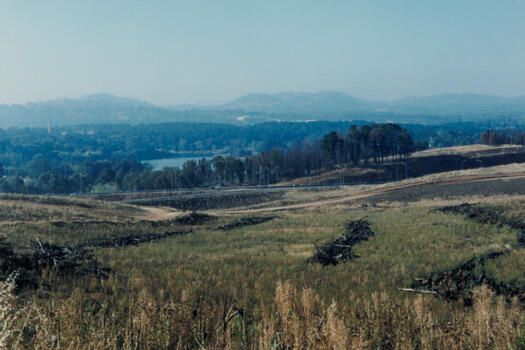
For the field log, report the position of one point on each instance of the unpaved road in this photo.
(159, 213)
(164, 213)
(374, 192)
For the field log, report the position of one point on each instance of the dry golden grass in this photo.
(296, 318)
(334, 176)
(508, 169)
(466, 150)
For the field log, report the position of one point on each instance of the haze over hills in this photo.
(461, 103)
(333, 101)
(253, 108)
(301, 102)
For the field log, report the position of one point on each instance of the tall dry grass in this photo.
(8, 312)
(297, 318)
(303, 321)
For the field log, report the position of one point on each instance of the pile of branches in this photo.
(80, 223)
(487, 216)
(459, 282)
(31, 262)
(340, 249)
(194, 218)
(131, 239)
(246, 221)
(476, 213)
(45, 256)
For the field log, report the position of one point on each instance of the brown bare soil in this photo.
(159, 213)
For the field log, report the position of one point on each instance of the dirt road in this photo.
(164, 213)
(373, 192)
(159, 213)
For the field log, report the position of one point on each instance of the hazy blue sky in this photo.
(171, 52)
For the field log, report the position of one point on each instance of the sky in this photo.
(205, 52)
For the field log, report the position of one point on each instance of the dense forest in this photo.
(20, 146)
(52, 171)
(110, 157)
(368, 143)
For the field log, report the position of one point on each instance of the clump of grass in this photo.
(384, 322)
(9, 314)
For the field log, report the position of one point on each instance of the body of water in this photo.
(158, 164)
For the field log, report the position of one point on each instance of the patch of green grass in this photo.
(407, 243)
(508, 268)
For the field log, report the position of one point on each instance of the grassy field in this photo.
(251, 287)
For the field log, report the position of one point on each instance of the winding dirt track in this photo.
(374, 192)
(159, 213)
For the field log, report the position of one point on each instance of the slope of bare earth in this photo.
(32, 208)
(476, 149)
(160, 213)
(498, 181)
(351, 175)
(420, 164)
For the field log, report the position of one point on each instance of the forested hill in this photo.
(258, 108)
(69, 159)
(150, 141)
(64, 165)
(464, 106)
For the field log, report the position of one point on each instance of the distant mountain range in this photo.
(338, 102)
(300, 102)
(253, 108)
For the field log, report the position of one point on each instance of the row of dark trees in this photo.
(359, 146)
(376, 142)
(505, 137)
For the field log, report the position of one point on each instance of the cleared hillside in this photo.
(244, 281)
(433, 161)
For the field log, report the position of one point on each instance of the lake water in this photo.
(158, 164)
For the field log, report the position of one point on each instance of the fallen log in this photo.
(420, 291)
(246, 221)
(131, 239)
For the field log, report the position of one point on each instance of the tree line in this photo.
(503, 137)
(359, 146)
(78, 143)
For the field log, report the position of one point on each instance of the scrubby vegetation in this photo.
(250, 286)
